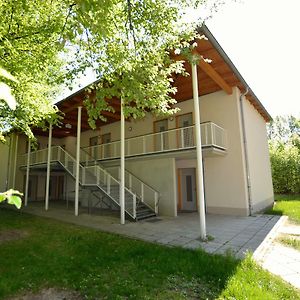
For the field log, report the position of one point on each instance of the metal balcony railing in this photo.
(212, 135)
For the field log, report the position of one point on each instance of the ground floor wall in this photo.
(159, 173)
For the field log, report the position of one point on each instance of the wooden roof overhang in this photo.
(220, 74)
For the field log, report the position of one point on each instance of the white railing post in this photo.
(134, 206)
(48, 168)
(66, 161)
(182, 137)
(206, 134)
(83, 175)
(213, 137)
(130, 181)
(58, 153)
(156, 202)
(108, 184)
(27, 172)
(144, 145)
(86, 159)
(142, 191)
(98, 175)
(162, 141)
(115, 149)
(128, 148)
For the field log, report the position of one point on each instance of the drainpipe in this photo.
(246, 158)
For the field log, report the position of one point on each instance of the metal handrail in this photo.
(57, 158)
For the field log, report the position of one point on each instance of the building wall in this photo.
(258, 156)
(161, 175)
(224, 176)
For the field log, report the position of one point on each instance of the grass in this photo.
(290, 241)
(288, 205)
(108, 266)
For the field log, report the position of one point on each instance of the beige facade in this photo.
(261, 195)
(225, 174)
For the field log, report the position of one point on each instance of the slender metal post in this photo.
(156, 202)
(130, 181)
(15, 161)
(122, 169)
(200, 185)
(144, 144)
(142, 191)
(48, 168)
(134, 206)
(77, 160)
(27, 172)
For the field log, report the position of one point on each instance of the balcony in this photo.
(213, 139)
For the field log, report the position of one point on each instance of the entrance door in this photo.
(188, 189)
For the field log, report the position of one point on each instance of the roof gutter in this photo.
(218, 47)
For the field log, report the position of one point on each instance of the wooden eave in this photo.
(218, 75)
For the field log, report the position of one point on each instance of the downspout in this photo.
(246, 158)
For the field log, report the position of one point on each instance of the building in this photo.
(161, 155)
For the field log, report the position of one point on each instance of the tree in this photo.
(30, 43)
(128, 43)
(284, 142)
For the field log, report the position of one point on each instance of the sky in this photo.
(262, 39)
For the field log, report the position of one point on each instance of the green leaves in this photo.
(30, 33)
(129, 44)
(284, 140)
(12, 197)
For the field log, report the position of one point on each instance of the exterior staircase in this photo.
(102, 183)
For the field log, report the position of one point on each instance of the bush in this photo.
(285, 162)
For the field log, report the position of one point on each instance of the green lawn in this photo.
(288, 205)
(290, 241)
(107, 266)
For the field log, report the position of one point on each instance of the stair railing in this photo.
(88, 175)
(144, 191)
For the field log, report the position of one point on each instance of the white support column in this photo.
(48, 168)
(27, 172)
(15, 160)
(122, 169)
(77, 160)
(200, 186)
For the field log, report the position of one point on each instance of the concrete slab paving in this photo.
(277, 258)
(237, 235)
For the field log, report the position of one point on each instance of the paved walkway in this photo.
(236, 235)
(279, 259)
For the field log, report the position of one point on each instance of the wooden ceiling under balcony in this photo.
(212, 77)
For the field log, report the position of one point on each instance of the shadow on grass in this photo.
(107, 266)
